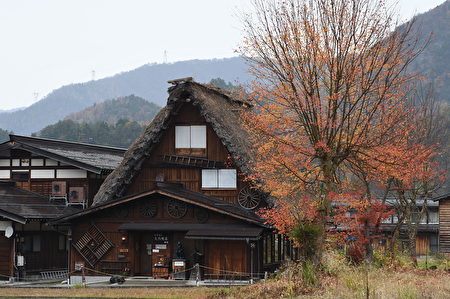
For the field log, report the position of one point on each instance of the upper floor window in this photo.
(190, 136)
(219, 178)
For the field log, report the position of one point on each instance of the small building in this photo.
(180, 197)
(42, 179)
(27, 245)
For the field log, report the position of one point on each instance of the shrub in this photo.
(356, 253)
(307, 235)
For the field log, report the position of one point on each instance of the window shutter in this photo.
(209, 178)
(227, 178)
(182, 136)
(198, 136)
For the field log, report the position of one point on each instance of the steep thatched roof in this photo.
(219, 109)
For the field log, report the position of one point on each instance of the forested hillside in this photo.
(121, 134)
(148, 82)
(4, 135)
(130, 107)
(434, 62)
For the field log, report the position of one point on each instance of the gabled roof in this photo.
(95, 158)
(21, 205)
(219, 109)
(177, 191)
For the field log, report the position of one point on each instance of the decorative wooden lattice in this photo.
(176, 208)
(93, 245)
(248, 198)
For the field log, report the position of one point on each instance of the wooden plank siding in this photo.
(444, 226)
(190, 177)
(108, 222)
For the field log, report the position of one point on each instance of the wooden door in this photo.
(5, 256)
(224, 256)
(145, 257)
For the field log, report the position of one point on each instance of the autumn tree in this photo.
(330, 103)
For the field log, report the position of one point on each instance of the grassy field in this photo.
(201, 293)
(385, 279)
(347, 283)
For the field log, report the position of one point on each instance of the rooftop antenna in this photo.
(165, 56)
(93, 75)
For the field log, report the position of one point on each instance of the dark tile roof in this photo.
(219, 109)
(21, 205)
(91, 157)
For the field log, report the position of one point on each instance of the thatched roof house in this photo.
(219, 109)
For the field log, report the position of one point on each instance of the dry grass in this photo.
(190, 292)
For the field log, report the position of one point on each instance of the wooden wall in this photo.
(130, 251)
(190, 177)
(444, 226)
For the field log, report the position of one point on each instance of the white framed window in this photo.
(219, 178)
(42, 174)
(37, 162)
(190, 136)
(433, 217)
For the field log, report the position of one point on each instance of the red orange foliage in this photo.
(331, 111)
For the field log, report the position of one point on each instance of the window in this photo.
(219, 178)
(21, 176)
(433, 217)
(190, 136)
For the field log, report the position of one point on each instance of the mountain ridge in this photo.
(148, 81)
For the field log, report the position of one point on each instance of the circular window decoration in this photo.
(248, 198)
(176, 208)
(202, 215)
(148, 209)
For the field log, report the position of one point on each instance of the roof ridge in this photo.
(12, 136)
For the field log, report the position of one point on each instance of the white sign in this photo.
(160, 246)
(20, 261)
(155, 250)
(178, 264)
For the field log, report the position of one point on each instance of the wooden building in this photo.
(26, 243)
(42, 179)
(179, 197)
(444, 223)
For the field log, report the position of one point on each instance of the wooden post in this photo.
(197, 274)
(265, 280)
(83, 277)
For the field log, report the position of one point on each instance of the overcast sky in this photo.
(49, 43)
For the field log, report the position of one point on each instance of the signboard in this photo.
(20, 261)
(161, 238)
(160, 246)
(178, 263)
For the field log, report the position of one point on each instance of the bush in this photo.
(307, 235)
(356, 253)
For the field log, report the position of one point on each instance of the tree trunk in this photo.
(412, 245)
